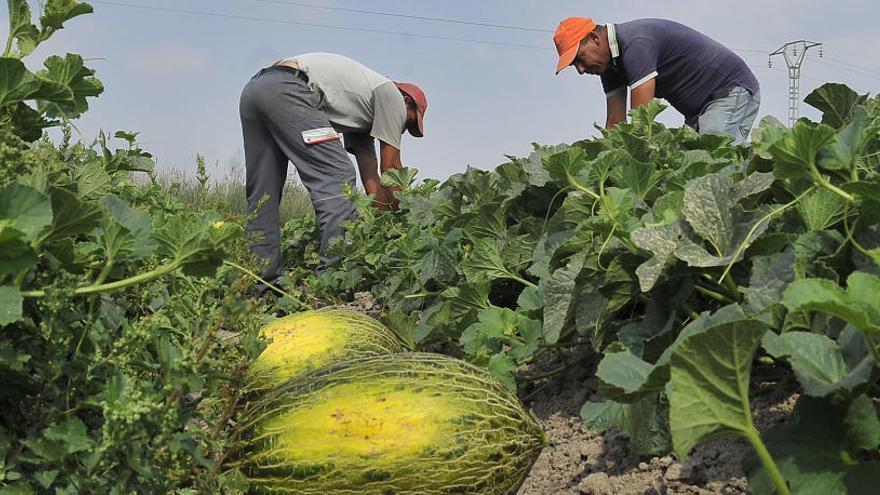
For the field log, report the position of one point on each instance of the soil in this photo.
(580, 461)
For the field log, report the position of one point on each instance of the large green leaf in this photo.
(400, 178)
(768, 131)
(755, 183)
(643, 421)
(496, 327)
(843, 153)
(65, 84)
(651, 335)
(60, 440)
(566, 165)
(867, 196)
(27, 123)
(708, 207)
(771, 275)
(71, 215)
(836, 101)
(709, 384)
(819, 449)
(438, 263)
(748, 227)
(490, 221)
(811, 246)
(559, 293)
(10, 304)
(93, 182)
(197, 242)
(124, 233)
(666, 209)
(797, 151)
(818, 362)
(680, 240)
(518, 251)
(857, 304)
(485, 262)
(661, 242)
(29, 211)
(638, 177)
(625, 377)
(16, 82)
(492, 326)
(534, 164)
(467, 297)
(821, 209)
(16, 256)
(57, 12)
(714, 218)
(544, 252)
(20, 27)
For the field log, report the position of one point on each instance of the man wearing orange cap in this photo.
(309, 110)
(709, 84)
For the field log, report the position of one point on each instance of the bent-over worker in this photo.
(293, 112)
(701, 78)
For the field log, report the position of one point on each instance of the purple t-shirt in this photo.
(688, 66)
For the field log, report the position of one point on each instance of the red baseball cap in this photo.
(568, 38)
(421, 101)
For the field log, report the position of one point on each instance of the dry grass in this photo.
(227, 195)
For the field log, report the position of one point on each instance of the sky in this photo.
(176, 77)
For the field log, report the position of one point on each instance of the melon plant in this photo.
(309, 340)
(412, 423)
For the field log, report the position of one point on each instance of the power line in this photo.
(309, 24)
(841, 62)
(365, 30)
(405, 16)
(439, 19)
(839, 66)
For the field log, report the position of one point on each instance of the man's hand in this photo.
(643, 94)
(368, 168)
(390, 160)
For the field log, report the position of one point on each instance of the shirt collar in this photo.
(612, 41)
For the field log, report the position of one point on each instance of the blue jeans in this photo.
(732, 114)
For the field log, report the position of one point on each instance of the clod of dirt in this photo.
(596, 484)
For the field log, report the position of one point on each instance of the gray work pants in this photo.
(276, 107)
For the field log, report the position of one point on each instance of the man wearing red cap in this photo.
(709, 84)
(309, 110)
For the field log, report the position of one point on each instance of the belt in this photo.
(290, 70)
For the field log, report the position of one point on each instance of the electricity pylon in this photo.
(794, 53)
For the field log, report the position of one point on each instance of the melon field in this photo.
(650, 311)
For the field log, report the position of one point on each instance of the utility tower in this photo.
(794, 53)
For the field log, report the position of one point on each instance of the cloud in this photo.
(168, 62)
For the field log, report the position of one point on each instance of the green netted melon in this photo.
(307, 341)
(400, 424)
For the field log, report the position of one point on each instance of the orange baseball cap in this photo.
(568, 38)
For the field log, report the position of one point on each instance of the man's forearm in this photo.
(613, 121)
(616, 108)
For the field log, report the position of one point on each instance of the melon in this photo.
(403, 424)
(309, 340)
